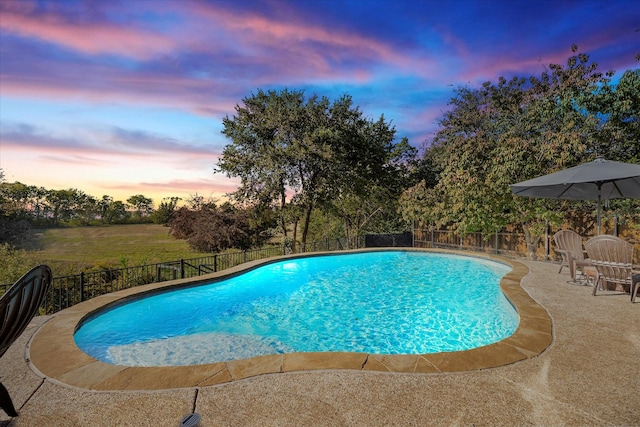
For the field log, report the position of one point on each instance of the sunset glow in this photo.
(127, 97)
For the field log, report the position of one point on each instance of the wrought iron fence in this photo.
(509, 244)
(70, 290)
(66, 291)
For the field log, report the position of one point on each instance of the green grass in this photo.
(70, 250)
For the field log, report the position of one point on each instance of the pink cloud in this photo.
(73, 159)
(266, 51)
(598, 45)
(194, 186)
(216, 188)
(425, 118)
(89, 143)
(85, 37)
(300, 41)
(205, 98)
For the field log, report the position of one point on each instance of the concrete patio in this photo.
(589, 376)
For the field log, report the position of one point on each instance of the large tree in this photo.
(618, 136)
(369, 202)
(304, 152)
(165, 210)
(71, 204)
(504, 133)
(143, 205)
(619, 127)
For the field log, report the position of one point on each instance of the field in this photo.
(68, 250)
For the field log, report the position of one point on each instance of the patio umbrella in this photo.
(596, 180)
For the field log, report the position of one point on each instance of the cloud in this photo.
(78, 30)
(75, 160)
(203, 66)
(295, 45)
(202, 57)
(26, 136)
(99, 142)
(102, 85)
(182, 188)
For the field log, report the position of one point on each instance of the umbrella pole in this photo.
(599, 201)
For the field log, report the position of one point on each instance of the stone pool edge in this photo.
(53, 354)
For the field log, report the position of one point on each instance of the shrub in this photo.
(14, 263)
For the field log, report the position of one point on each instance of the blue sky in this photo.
(127, 97)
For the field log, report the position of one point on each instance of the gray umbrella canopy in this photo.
(596, 180)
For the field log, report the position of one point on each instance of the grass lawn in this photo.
(68, 250)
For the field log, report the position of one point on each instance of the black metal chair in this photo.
(17, 307)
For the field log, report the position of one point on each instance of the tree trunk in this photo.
(531, 244)
(305, 227)
(283, 221)
(295, 236)
(347, 229)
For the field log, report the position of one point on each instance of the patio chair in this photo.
(613, 259)
(569, 245)
(17, 307)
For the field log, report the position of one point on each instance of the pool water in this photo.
(391, 302)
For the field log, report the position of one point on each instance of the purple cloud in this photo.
(199, 58)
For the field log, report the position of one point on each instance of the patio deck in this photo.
(590, 375)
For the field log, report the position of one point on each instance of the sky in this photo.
(127, 97)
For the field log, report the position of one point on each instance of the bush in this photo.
(212, 229)
(13, 231)
(215, 229)
(14, 263)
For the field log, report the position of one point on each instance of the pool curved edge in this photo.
(53, 353)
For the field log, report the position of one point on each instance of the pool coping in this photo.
(53, 354)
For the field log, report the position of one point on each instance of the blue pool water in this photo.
(391, 302)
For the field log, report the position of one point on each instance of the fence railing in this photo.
(70, 290)
(509, 244)
(66, 291)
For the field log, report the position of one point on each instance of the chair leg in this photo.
(596, 283)
(635, 286)
(572, 269)
(5, 402)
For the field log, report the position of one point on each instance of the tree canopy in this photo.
(300, 153)
(518, 129)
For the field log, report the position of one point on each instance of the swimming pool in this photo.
(383, 302)
(52, 352)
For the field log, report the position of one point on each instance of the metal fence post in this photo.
(181, 268)
(546, 240)
(81, 286)
(215, 263)
(413, 233)
(496, 242)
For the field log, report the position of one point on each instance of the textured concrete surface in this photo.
(589, 376)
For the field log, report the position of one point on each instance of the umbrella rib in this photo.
(615, 185)
(564, 191)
